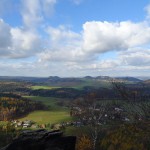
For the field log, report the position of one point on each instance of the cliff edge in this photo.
(42, 140)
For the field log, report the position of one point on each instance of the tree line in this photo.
(13, 106)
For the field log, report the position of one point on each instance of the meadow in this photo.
(51, 117)
(54, 114)
(43, 87)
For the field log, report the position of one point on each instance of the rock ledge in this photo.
(42, 140)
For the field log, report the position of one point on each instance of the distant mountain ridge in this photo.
(132, 79)
(68, 79)
(129, 79)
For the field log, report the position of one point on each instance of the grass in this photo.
(43, 87)
(3, 122)
(43, 117)
(48, 101)
(55, 114)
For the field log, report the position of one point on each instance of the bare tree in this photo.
(137, 98)
(92, 115)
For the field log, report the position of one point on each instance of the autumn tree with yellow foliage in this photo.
(84, 143)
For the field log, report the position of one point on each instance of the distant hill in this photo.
(143, 77)
(56, 81)
(88, 77)
(98, 78)
(147, 81)
(103, 78)
(129, 79)
(53, 77)
(117, 79)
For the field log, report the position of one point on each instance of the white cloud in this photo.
(5, 35)
(48, 7)
(34, 11)
(31, 12)
(107, 64)
(18, 42)
(25, 43)
(147, 9)
(62, 45)
(105, 36)
(138, 57)
(95, 39)
(63, 36)
(5, 38)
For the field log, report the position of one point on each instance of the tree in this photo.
(92, 115)
(127, 137)
(138, 98)
(84, 143)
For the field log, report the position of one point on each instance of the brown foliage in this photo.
(128, 137)
(84, 143)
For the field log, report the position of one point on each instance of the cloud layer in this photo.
(37, 45)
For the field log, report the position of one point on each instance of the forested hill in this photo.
(14, 106)
(56, 79)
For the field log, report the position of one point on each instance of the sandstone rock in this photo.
(42, 140)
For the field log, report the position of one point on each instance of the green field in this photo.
(48, 101)
(3, 123)
(55, 114)
(43, 87)
(48, 116)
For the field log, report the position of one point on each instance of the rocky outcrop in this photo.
(42, 140)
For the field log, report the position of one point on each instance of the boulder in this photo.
(42, 140)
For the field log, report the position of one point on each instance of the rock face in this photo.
(42, 140)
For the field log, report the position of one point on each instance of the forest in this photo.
(14, 106)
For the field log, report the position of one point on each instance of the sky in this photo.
(74, 38)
